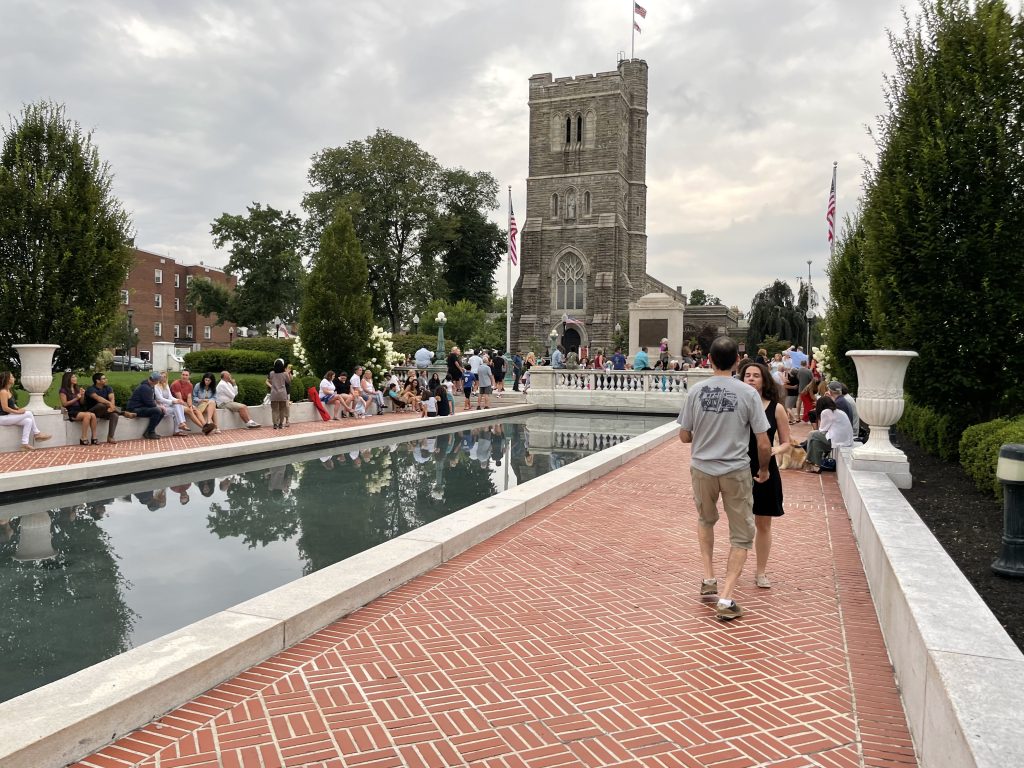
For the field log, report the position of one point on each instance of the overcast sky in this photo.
(204, 107)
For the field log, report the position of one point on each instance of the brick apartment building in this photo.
(154, 294)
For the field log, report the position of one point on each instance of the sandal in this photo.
(83, 442)
(94, 441)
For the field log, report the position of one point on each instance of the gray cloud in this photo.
(204, 107)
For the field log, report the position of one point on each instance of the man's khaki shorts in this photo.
(737, 492)
(231, 405)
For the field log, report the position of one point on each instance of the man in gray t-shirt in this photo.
(718, 417)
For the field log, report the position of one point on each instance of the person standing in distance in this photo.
(718, 418)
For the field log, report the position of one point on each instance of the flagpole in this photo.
(632, 30)
(508, 278)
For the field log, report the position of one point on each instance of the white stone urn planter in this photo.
(880, 375)
(36, 372)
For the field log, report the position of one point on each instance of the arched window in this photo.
(570, 204)
(586, 203)
(554, 205)
(570, 283)
(568, 130)
(579, 128)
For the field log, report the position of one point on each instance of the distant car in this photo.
(120, 362)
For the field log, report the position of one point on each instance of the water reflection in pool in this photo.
(87, 576)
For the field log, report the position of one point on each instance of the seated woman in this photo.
(369, 392)
(834, 431)
(72, 400)
(12, 415)
(204, 400)
(329, 395)
(394, 397)
(162, 392)
(411, 392)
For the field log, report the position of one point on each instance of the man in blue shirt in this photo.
(557, 358)
(618, 360)
(640, 360)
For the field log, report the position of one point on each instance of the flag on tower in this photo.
(830, 211)
(639, 10)
(513, 254)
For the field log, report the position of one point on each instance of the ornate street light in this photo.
(440, 320)
(416, 322)
(128, 344)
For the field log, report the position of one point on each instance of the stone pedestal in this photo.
(36, 373)
(880, 374)
(35, 541)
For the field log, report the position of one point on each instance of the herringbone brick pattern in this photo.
(576, 638)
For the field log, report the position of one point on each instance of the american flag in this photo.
(830, 212)
(637, 27)
(513, 255)
(639, 10)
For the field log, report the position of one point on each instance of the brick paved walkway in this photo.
(576, 638)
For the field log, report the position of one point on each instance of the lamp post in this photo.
(551, 347)
(128, 344)
(810, 308)
(440, 320)
(416, 322)
(231, 335)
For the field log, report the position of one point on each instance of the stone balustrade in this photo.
(614, 391)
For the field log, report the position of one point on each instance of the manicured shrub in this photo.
(300, 385)
(234, 360)
(979, 451)
(933, 432)
(277, 347)
(408, 343)
(252, 388)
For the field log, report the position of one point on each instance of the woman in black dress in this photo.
(767, 495)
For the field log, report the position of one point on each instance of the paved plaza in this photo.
(574, 638)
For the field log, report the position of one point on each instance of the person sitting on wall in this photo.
(227, 391)
(12, 415)
(423, 357)
(177, 408)
(182, 391)
(73, 401)
(102, 401)
(204, 399)
(558, 357)
(143, 403)
(640, 360)
(329, 395)
(344, 391)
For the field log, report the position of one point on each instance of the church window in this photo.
(570, 283)
(586, 203)
(579, 128)
(568, 130)
(554, 205)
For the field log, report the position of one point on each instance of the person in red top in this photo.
(182, 390)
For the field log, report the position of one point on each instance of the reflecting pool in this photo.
(89, 575)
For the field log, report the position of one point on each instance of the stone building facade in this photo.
(584, 240)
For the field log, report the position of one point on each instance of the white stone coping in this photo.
(273, 441)
(960, 675)
(73, 717)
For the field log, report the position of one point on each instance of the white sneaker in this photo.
(252, 424)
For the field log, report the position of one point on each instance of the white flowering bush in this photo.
(823, 356)
(381, 354)
(300, 363)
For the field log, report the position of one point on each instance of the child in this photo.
(467, 386)
(429, 404)
(449, 393)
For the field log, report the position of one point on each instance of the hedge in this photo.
(408, 343)
(933, 432)
(234, 360)
(979, 451)
(283, 348)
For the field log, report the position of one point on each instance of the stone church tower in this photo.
(584, 240)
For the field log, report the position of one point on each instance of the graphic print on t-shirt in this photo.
(717, 400)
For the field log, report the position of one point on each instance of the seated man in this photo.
(100, 399)
(143, 403)
(344, 387)
(227, 391)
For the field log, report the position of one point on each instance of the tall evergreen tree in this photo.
(943, 218)
(773, 312)
(64, 239)
(336, 318)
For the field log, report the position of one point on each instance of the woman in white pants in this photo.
(12, 415)
(163, 396)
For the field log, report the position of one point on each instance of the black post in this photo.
(1010, 471)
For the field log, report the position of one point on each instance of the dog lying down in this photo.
(794, 458)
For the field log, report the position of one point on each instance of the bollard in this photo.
(1010, 471)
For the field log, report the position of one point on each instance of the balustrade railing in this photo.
(669, 382)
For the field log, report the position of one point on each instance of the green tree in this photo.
(943, 216)
(468, 246)
(335, 319)
(390, 187)
(64, 238)
(774, 312)
(847, 322)
(701, 298)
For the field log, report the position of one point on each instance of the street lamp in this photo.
(552, 336)
(231, 335)
(416, 322)
(440, 320)
(128, 345)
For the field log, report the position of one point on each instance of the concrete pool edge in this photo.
(73, 717)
